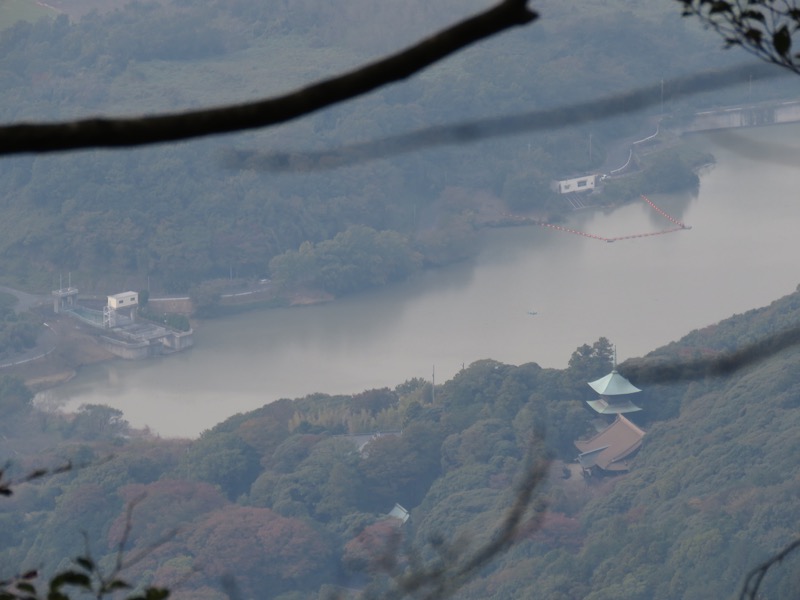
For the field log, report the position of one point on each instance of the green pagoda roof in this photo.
(613, 384)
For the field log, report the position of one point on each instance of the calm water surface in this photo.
(741, 253)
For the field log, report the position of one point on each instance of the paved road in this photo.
(25, 301)
(617, 153)
(46, 340)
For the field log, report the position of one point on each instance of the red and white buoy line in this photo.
(663, 214)
(680, 226)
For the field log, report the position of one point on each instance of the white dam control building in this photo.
(123, 300)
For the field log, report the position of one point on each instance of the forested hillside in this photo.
(177, 214)
(283, 500)
(291, 501)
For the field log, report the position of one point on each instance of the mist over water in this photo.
(740, 254)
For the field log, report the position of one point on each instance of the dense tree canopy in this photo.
(711, 492)
(166, 214)
(285, 500)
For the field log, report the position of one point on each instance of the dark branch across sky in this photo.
(127, 132)
(506, 125)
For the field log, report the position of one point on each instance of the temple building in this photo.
(611, 449)
(614, 392)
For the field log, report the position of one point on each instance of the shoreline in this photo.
(76, 345)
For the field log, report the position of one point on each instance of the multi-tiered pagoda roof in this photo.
(614, 392)
(614, 446)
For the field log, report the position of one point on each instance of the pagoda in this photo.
(612, 448)
(615, 392)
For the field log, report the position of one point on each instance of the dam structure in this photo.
(119, 328)
(733, 117)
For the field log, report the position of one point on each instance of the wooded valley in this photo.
(292, 501)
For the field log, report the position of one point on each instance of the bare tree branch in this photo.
(455, 567)
(471, 131)
(752, 582)
(6, 484)
(654, 370)
(107, 132)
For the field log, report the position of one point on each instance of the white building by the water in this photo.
(123, 300)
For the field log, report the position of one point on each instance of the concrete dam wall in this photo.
(744, 116)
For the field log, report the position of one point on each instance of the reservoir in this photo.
(740, 253)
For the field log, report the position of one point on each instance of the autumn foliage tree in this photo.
(269, 552)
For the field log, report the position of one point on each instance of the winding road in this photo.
(25, 301)
(47, 338)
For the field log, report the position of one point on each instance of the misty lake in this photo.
(741, 253)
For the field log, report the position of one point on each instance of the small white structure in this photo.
(398, 512)
(576, 184)
(123, 300)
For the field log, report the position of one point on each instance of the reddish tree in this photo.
(374, 549)
(163, 506)
(558, 531)
(263, 551)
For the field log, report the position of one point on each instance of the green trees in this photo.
(711, 493)
(15, 400)
(206, 297)
(323, 483)
(670, 173)
(223, 459)
(17, 331)
(590, 362)
(315, 481)
(356, 259)
(400, 469)
(173, 214)
(96, 422)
